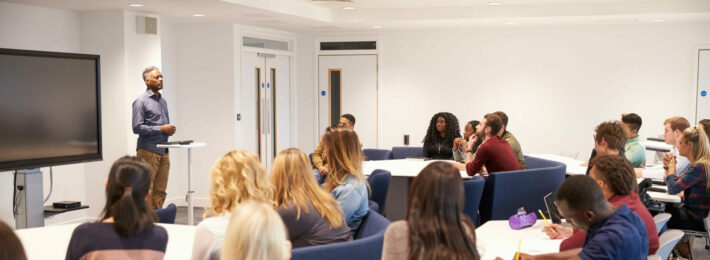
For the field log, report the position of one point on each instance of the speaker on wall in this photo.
(146, 25)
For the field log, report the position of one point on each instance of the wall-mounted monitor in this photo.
(50, 109)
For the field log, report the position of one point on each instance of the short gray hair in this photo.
(147, 70)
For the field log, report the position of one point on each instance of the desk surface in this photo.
(656, 145)
(51, 242)
(574, 166)
(402, 167)
(497, 239)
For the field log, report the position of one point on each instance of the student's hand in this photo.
(667, 158)
(524, 256)
(555, 231)
(323, 171)
(168, 129)
(457, 143)
(459, 166)
(585, 164)
(471, 142)
(671, 166)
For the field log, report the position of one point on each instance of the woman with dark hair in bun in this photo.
(126, 229)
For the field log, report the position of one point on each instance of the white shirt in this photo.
(682, 162)
(209, 237)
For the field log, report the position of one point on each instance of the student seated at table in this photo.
(10, 245)
(126, 229)
(618, 182)
(609, 139)
(612, 233)
(673, 129)
(255, 231)
(495, 153)
(510, 138)
(435, 225)
(460, 144)
(439, 139)
(318, 159)
(236, 177)
(312, 216)
(634, 150)
(694, 183)
(345, 180)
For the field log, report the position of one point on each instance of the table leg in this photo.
(190, 212)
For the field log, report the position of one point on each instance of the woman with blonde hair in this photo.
(255, 232)
(312, 216)
(236, 177)
(345, 180)
(694, 183)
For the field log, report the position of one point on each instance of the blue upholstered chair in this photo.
(379, 185)
(377, 154)
(166, 215)
(473, 189)
(505, 192)
(404, 152)
(367, 243)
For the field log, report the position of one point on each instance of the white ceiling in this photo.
(328, 15)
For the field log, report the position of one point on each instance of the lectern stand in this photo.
(190, 210)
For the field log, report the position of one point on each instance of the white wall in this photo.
(25, 27)
(556, 83)
(205, 72)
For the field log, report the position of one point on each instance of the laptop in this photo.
(552, 210)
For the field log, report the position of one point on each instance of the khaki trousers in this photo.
(160, 168)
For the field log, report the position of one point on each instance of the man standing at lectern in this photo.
(152, 124)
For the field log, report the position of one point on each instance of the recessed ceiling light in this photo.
(510, 23)
(658, 20)
(348, 8)
(495, 3)
(376, 26)
(198, 15)
(135, 5)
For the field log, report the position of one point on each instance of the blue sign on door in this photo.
(703, 93)
(322, 92)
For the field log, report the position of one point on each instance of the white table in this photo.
(51, 242)
(661, 196)
(574, 166)
(402, 167)
(188, 197)
(657, 146)
(497, 239)
(403, 172)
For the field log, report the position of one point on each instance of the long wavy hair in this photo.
(342, 149)
(255, 232)
(294, 183)
(127, 187)
(452, 128)
(438, 228)
(236, 177)
(701, 148)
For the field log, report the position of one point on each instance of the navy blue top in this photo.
(100, 241)
(150, 111)
(622, 235)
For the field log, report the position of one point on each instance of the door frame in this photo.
(316, 71)
(250, 31)
(696, 76)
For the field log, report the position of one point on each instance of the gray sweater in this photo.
(311, 228)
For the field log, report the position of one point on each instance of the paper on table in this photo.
(539, 246)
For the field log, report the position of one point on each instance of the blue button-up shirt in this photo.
(622, 235)
(150, 111)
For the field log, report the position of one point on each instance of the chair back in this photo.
(404, 152)
(505, 192)
(377, 154)
(167, 215)
(367, 244)
(379, 185)
(661, 220)
(473, 189)
(667, 242)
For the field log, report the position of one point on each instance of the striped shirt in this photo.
(693, 183)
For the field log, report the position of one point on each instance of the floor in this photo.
(699, 251)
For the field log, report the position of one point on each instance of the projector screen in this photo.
(49, 109)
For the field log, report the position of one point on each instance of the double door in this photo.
(265, 98)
